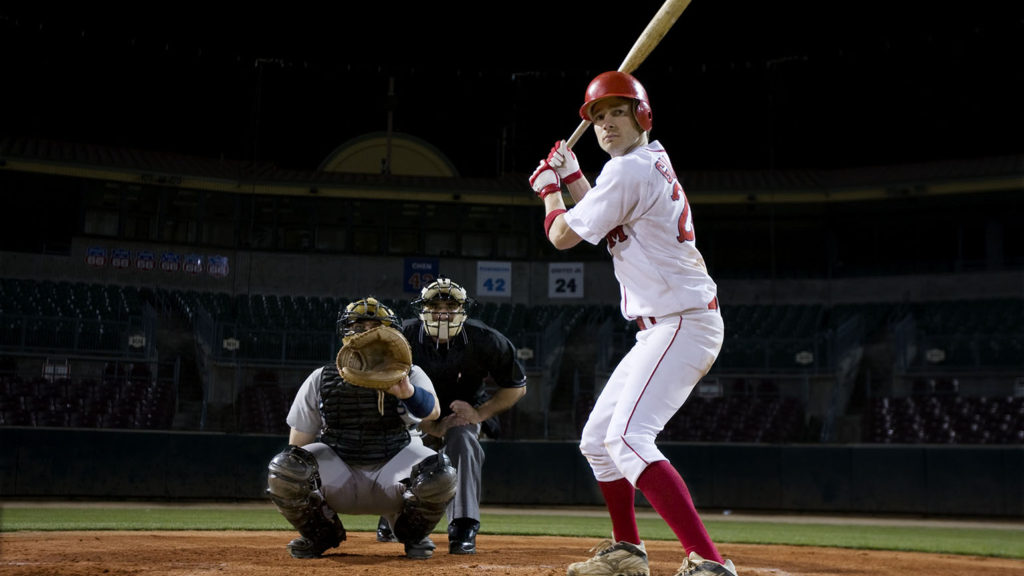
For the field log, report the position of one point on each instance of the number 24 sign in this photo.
(565, 280)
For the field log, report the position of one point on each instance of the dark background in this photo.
(736, 84)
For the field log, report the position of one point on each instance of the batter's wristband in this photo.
(550, 219)
(420, 404)
(549, 189)
(573, 177)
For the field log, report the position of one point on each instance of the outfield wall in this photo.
(929, 480)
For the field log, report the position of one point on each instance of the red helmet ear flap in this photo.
(644, 116)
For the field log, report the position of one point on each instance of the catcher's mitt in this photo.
(378, 358)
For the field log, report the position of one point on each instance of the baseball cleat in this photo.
(613, 559)
(694, 565)
(303, 547)
(420, 550)
(462, 536)
(384, 533)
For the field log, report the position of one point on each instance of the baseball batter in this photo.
(638, 206)
(350, 452)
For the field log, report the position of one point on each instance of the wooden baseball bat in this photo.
(642, 48)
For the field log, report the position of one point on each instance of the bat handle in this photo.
(577, 134)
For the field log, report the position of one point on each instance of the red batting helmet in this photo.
(618, 84)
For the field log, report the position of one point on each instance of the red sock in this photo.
(619, 496)
(664, 488)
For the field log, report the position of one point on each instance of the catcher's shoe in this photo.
(694, 565)
(613, 559)
(384, 533)
(303, 547)
(420, 550)
(322, 534)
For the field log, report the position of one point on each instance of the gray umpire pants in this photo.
(462, 445)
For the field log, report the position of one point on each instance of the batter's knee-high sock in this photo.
(620, 496)
(664, 488)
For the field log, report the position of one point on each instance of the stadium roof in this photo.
(735, 85)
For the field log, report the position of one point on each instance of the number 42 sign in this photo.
(494, 279)
(565, 280)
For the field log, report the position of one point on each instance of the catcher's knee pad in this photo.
(293, 484)
(430, 488)
(433, 479)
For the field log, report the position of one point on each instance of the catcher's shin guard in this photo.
(293, 484)
(430, 488)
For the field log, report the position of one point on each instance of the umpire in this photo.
(461, 356)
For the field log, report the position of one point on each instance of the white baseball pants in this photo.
(646, 389)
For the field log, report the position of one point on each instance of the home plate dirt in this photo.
(242, 553)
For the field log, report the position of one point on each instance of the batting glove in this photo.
(563, 160)
(545, 180)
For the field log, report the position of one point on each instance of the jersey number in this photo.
(685, 223)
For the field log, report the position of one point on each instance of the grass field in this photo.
(1004, 539)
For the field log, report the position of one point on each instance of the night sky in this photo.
(735, 85)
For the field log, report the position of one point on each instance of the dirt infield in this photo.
(238, 553)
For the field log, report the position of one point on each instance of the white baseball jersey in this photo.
(639, 206)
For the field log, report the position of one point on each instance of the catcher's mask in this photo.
(350, 319)
(443, 308)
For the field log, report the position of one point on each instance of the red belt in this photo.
(651, 320)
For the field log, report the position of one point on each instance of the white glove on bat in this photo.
(564, 161)
(544, 180)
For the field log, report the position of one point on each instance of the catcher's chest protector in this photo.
(352, 425)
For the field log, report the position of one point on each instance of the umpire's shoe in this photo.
(694, 565)
(384, 532)
(613, 559)
(420, 550)
(462, 536)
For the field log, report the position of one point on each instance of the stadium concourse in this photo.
(759, 384)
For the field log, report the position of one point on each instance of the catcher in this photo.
(350, 450)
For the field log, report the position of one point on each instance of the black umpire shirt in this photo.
(460, 368)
